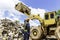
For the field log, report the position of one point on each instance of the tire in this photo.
(30, 38)
(36, 32)
(57, 32)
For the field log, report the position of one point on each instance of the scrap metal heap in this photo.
(10, 30)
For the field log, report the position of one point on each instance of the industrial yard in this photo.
(29, 20)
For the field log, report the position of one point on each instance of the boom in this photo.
(27, 11)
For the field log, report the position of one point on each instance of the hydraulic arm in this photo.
(27, 11)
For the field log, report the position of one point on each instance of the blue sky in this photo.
(43, 4)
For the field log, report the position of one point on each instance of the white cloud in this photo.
(33, 23)
(38, 11)
(1, 14)
(9, 5)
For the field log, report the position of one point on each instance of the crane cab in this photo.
(49, 18)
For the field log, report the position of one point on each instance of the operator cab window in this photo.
(46, 16)
(52, 15)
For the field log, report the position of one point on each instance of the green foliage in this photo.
(58, 12)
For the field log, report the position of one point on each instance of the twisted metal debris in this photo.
(10, 30)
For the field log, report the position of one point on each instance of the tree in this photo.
(58, 12)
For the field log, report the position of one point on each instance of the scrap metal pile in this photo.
(10, 30)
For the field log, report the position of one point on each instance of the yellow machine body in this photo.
(49, 18)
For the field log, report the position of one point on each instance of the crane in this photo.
(27, 11)
(48, 24)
